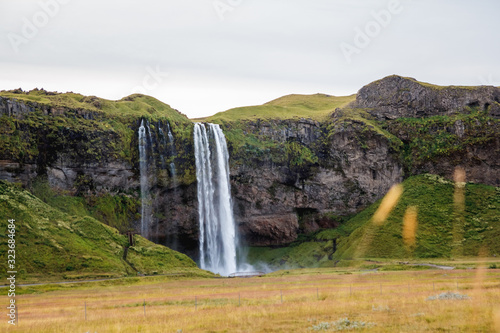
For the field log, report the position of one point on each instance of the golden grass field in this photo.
(285, 301)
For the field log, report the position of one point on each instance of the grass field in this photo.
(285, 301)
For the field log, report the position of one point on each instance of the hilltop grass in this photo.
(135, 106)
(442, 232)
(317, 107)
(53, 245)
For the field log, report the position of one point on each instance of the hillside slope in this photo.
(295, 106)
(442, 231)
(52, 245)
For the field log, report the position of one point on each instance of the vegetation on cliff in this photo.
(53, 245)
(433, 138)
(40, 130)
(87, 128)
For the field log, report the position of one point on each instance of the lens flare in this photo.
(459, 208)
(459, 196)
(410, 224)
(387, 205)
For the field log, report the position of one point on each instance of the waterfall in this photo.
(163, 143)
(218, 241)
(143, 168)
(171, 148)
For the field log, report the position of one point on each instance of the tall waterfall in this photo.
(218, 240)
(143, 168)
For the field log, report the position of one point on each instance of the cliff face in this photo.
(288, 176)
(91, 152)
(397, 97)
(65, 145)
(441, 128)
(274, 201)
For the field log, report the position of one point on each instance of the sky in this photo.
(206, 56)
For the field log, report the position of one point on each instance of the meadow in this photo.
(304, 300)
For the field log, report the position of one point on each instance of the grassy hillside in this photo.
(317, 107)
(53, 245)
(136, 105)
(443, 230)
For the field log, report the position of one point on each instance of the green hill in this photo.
(317, 107)
(442, 232)
(443, 229)
(136, 105)
(53, 245)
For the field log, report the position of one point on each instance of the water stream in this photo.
(146, 210)
(218, 239)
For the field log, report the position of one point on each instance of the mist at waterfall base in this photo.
(218, 240)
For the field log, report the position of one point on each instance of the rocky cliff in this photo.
(299, 176)
(283, 193)
(289, 175)
(398, 97)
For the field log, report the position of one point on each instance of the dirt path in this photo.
(435, 266)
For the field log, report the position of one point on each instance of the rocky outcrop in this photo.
(395, 97)
(306, 131)
(18, 109)
(42, 143)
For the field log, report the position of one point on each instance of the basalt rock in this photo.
(350, 174)
(395, 97)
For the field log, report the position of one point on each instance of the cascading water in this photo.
(163, 142)
(218, 239)
(143, 168)
(171, 148)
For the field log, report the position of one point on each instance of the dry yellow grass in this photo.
(392, 301)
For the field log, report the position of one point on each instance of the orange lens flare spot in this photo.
(410, 224)
(390, 201)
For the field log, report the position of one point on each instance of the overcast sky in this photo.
(206, 56)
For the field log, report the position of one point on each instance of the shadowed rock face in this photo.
(275, 201)
(395, 97)
(349, 177)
